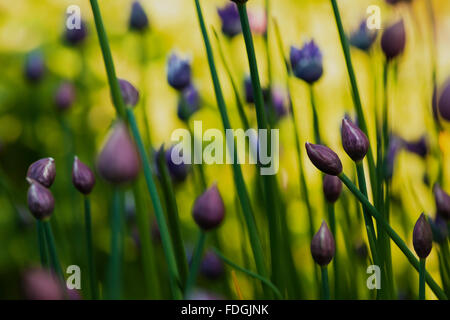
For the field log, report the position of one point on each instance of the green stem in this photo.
(315, 116)
(250, 273)
(54, 261)
(43, 254)
(114, 264)
(172, 216)
(332, 220)
(195, 263)
(392, 234)
(89, 248)
(325, 285)
(237, 172)
(422, 279)
(160, 219)
(199, 166)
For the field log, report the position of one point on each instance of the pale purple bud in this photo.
(40, 200)
(43, 171)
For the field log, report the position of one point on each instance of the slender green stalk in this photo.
(237, 172)
(159, 215)
(325, 285)
(199, 166)
(195, 263)
(172, 217)
(114, 264)
(54, 260)
(392, 234)
(144, 93)
(89, 248)
(43, 254)
(315, 115)
(332, 219)
(422, 279)
(250, 273)
(355, 92)
(148, 255)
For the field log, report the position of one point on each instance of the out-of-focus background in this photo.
(31, 127)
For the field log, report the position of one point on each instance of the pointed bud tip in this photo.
(354, 141)
(422, 237)
(323, 246)
(43, 171)
(324, 159)
(82, 177)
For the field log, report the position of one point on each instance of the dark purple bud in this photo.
(442, 200)
(189, 103)
(393, 40)
(65, 96)
(178, 172)
(40, 200)
(248, 87)
(82, 177)
(422, 237)
(130, 94)
(231, 23)
(323, 246)
(209, 209)
(332, 188)
(211, 266)
(40, 284)
(280, 102)
(34, 67)
(363, 37)
(354, 141)
(324, 159)
(178, 72)
(443, 102)
(76, 36)
(138, 18)
(43, 171)
(307, 62)
(419, 147)
(361, 250)
(118, 161)
(439, 228)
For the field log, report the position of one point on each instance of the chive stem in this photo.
(316, 126)
(195, 263)
(54, 261)
(325, 285)
(422, 279)
(43, 254)
(89, 248)
(114, 264)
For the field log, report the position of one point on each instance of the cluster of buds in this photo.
(41, 175)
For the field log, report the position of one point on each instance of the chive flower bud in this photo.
(65, 96)
(442, 200)
(43, 171)
(82, 177)
(211, 266)
(280, 101)
(354, 141)
(76, 36)
(419, 147)
(324, 159)
(323, 246)
(439, 228)
(332, 188)
(209, 209)
(130, 94)
(40, 200)
(393, 40)
(307, 62)
(231, 23)
(363, 37)
(422, 237)
(41, 284)
(118, 161)
(188, 103)
(178, 172)
(178, 72)
(443, 102)
(138, 18)
(34, 67)
(248, 88)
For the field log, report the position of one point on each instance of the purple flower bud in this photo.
(307, 62)
(40, 200)
(43, 171)
(82, 177)
(393, 40)
(231, 23)
(363, 38)
(76, 36)
(211, 266)
(138, 18)
(178, 172)
(443, 103)
(324, 159)
(178, 72)
(332, 188)
(354, 141)
(209, 209)
(323, 246)
(442, 200)
(419, 147)
(280, 101)
(130, 94)
(34, 67)
(361, 250)
(248, 88)
(422, 237)
(40, 284)
(65, 96)
(189, 103)
(118, 161)
(439, 228)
